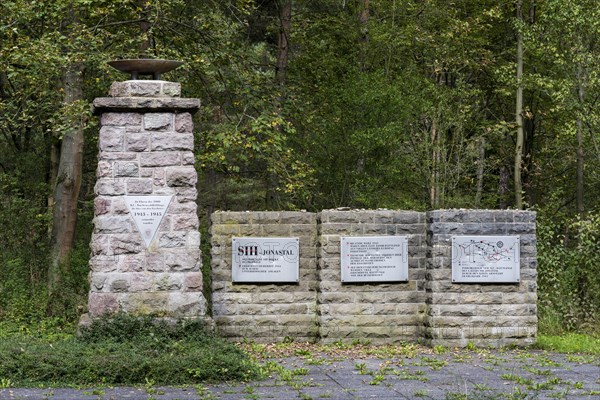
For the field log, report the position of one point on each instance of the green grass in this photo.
(569, 343)
(123, 351)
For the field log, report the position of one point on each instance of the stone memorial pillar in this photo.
(145, 243)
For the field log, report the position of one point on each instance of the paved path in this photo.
(511, 374)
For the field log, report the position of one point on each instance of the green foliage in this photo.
(125, 351)
(569, 266)
(22, 273)
(570, 343)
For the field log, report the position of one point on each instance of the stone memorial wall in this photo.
(382, 312)
(487, 313)
(427, 306)
(264, 311)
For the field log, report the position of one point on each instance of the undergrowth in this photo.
(124, 350)
(568, 274)
(570, 343)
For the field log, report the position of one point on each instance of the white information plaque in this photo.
(492, 259)
(256, 259)
(374, 258)
(147, 213)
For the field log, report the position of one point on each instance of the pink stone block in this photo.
(130, 263)
(102, 303)
(192, 282)
(185, 194)
(172, 141)
(101, 205)
(155, 262)
(187, 158)
(159, 159)
(183, 262)
(171, 240)
(126, 243)
(137, 88)
(184, 123)
(116, 156)
(119, 206)
(141, 282)
(111, 138)
(185, 222)
(159, 177)
(99, 245)
(139, 186)
(165, 224)
(176, 207)
(103, 264)
(108, 224)
(104, 169)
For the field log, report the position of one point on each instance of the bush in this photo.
(569, 274)
(126, 350)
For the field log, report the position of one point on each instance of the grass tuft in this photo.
(569, 343)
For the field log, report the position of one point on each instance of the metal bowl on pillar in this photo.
(145, 66)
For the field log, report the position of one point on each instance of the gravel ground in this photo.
(482, 374)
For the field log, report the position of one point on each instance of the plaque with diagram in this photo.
(147, 213)
(260, 259)
(374, 258)
(480, 259)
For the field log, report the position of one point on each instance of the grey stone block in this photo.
(112, 224)
(184, 176)
(109, 187)
(120, 119)
(137, 186)
(136, 141)
(169, 141)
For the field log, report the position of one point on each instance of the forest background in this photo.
(312, 104)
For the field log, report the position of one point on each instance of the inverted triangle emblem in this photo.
(147, 213)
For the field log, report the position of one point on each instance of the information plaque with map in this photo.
(374, 258)
(255, 259)
(480, 259)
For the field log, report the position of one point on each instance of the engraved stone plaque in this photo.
(492, 259)
(256, 259)
(374, 258)
(147, 212)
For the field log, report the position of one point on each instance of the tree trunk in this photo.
(68, 183)
(53, 173)
(480, 170)
(146, 44)
(434, 181)
(285, 24)
(580, 152)
(503, 185)
(363, 20)
(284, 10)
(519, 116)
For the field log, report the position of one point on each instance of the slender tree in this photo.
(68, 179)
(518, 168)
